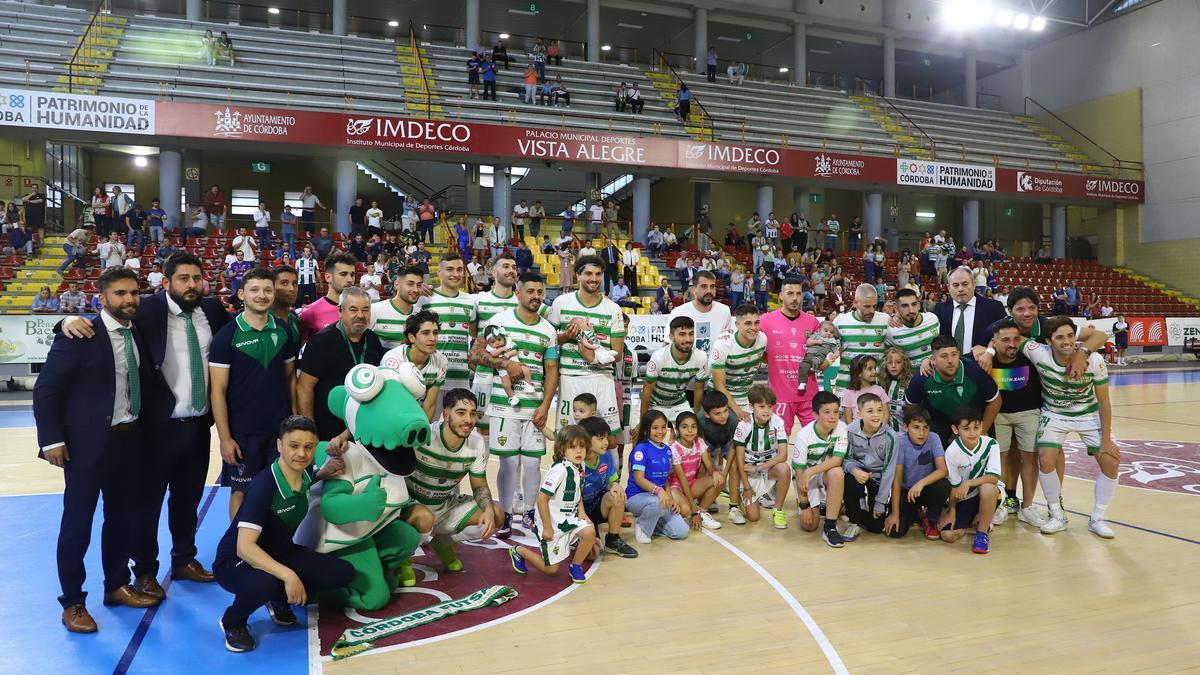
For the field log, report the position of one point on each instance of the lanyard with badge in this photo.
(358, 359)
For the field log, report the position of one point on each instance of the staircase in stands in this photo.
(698, 125)
(420, 87)
(894, 125)
(1056, 141)
(83, 73)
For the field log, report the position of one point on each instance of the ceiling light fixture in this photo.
(394, 24)
(726, 38)
(926, 214)
(1004, 18)
(1038, 24)
(783, 69)
(631, 26)
(504, 36)
(272, 10)
(140, 162)
(606, 48)
(1021, 21)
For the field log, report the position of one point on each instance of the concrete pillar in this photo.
(170, 176)
(593, 30)
(889, 66)
(873, 216)
(502, 195)
(346, 184)
(339, 17)
(641, 207)
(765, 201)
(969, 86)
(970, 223)
(1058, 230)
(1026, 79)
(194, 10)
(799, 199)
(472, 24)
(700, 194)
(800, 53)
(700, 37)
(471, 181)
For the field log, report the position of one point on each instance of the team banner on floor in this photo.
(78, 112)
(26, 338)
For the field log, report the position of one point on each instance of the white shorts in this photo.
(510, 437)
(482, 388)
(762, 488)
(1053, 429)
(1021, 427)
(672, 412)
(599, 386)
(816, 490)
(566, 532)
(451, 516)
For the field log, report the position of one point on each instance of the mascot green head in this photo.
(380, 409)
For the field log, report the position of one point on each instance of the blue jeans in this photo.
(156, 233)
(217, 220)
(308, 221)
(264, 238)
(735, 299)
(138, 235)
(831, 241)
(425, 227)
(287, 235)
(653, 519)
(760, 299)
(72, 257)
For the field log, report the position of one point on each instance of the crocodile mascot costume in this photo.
(360, 508)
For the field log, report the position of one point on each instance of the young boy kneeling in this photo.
(921, 470)
(603, 496)
(973, 465)
(871, 488)
(817, 462)
(760, 448)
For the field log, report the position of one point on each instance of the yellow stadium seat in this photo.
(552, 278)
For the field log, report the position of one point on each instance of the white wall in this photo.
(1152, 48)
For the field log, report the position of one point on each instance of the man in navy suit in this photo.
(87, 403)
(177, 416)
(967, 317)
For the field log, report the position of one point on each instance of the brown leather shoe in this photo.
(193, 571)
(148, 585)
(130, 597)
(77, 619)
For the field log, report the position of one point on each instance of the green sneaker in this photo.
(406, 575)
(445, 553)
(780, 519)
(1011, 505)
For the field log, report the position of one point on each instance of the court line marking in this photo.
(831, 654)
(470, 629)
(139, 634)
(1137, 527)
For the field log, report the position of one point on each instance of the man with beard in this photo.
(711, 319)
(252, 369)
(458, 315)
(591, 335)
(332, 353)
(389, 317)
(736, 359)
(489, 304)
(86, 404)
(788, 329)
(286, 289)
(176, 418)
(862, 330)
(671, 369)
(911, 329)
(339, 275)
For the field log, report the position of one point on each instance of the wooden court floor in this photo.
(757, 599)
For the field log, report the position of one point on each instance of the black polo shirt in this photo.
(328, 356)
(258, 396)
(273, 508)
(969, 386)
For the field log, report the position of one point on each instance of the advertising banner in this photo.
(1070, 186)
(1147, 331)
(51, 110)
(1182, 329)
(26, 338)
(920, 173)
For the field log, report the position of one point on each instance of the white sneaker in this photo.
(641, 537)
(851, 532)
(1031, 516)
(514, 401)
(1000, 516)
(1054, 524)
(708, 522)
(736, 517)
(527, 387)
(1100, 529)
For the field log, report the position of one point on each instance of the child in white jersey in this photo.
(560, 516)
(973, 465)
(817, 462)
(499, 343)
(688, 454)
(760, 445)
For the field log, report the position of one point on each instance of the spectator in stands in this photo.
(12, 216)
(199, 227)
(287, 230)
(611, 220)
(73, 300)
(208, 47)
(665, 298)
(135, 228)
(620, 97)
(531, 83)
(225, 45)
(566, 265)
(586, 249)
(733, 238)
(1073, 298)
(487, 71)
(309, 203)
(737, 282)
(426, 217)
(554, 53)
(737, 72)
(537, 59)
(520, 214)
(237, 270)
(654, 240)
(358, 248)
(75, 246)
(35, 209)
(558, 92)
(1043, 256)
(262, 227)
(856, 233)
(214, 205)
(963, 256)
(19, 240)
(683, 102)
(111, 252)
(358, 217)
(371, 282)
(247, 244)
(1060, 301)
(568, 222)
(323, 243)
(524, 257)
(156, 218)
(155, 278)
(832, 229)
(100, 212)
(495, 237)
(474, 66)
(670, 243)
(44, 302)
(712, 64)
(133, 260)
(630, 259)
(499, 55)
(980, 273)
(762, 288)
(548, 247)
(536, 213)
(621, 295)
(634, 96)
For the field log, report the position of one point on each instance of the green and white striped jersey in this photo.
(457, 314)
(605, 318)
(488, 305)
(859, 337)
(740, 363)
(915, 340)
(536, 343)
(440, 469)
(1060, 395)
(388, 323)
(963, 464)
(433, 372)
(811, 448)
(563, 484)
(672, 377)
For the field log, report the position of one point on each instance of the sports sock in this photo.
(830, 524)
(506, 481)
(1052, 489)
(1105, 487)
(531, 478)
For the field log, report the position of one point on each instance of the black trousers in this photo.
(252, 588)
(852, 503)
(631, 279)
(115, 476)
(933, 498)
(611, 274)
(306, 291)
(177, 459)
(489, 88)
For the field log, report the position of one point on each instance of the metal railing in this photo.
(1120, 168)
(911, 125)
(665, 66)
(763, 72)
(88, 43)
(425, 91)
